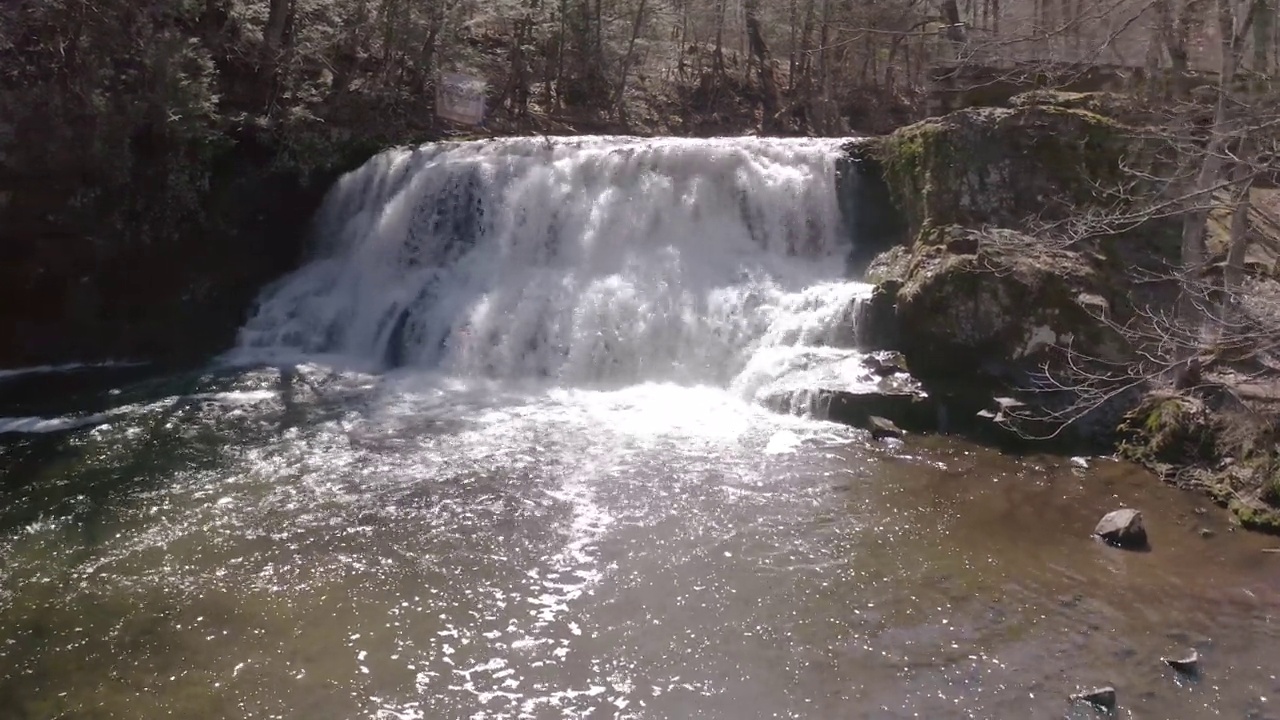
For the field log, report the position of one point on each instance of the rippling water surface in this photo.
(330, 544)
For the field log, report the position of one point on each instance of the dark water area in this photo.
(325, 543)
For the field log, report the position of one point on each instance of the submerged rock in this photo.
(1188, 664)
(883, 429)
(1103, 697)
(1123, 528)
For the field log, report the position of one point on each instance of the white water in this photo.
(591, 262)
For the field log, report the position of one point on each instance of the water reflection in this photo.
(303, 542)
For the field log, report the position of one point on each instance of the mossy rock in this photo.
(1256, 517)
(977, 301)
(1168, 429)
(1121, 107)
(891, 265)
(999, 166)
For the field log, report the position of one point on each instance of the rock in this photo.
(1080, 463)
(1188, 664)
(889, 266)
(1119, 106)
(882, 429)
(1122, 528)
(903, 408)
(998, 166)
(884, 366)
(992, 301)
(1169, 429)
(876, 318)
(1103, 697)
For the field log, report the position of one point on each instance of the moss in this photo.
(1221, 493)
(995, 166)
(1256, 518)
(1171, 430)
(909, 157)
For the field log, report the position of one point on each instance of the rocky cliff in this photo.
(997, 278)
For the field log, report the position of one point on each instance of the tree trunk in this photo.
(792, 55)
(619, 100)
(1233, 273)
(955, 26)
(563, 35)
(719, 51)
(276, 37)
(764, 71)
(1232, 28)
(1264, 18)
(277, 20)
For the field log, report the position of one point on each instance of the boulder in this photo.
(876, 318)
(1169, 429)
(883, 429)
(886, 364)
(1001, 166)
(987, 302)
(1122, 528)
(1123, 107)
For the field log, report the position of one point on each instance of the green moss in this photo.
(1221, 493)
(1265, 520)
(910, 157)
(1270, 491)
(1171, 430)
(994, 166)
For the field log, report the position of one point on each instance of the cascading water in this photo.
(595, 261)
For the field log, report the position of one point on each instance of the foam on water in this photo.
(7, 374)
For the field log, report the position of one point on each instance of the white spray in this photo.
(593, 261)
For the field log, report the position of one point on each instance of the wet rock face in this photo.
(1123, 528)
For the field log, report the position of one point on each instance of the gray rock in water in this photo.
(889, 364)
(1122, 528)
(1189, 663)
(882, 429)
(1103, 697)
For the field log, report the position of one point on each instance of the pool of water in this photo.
(319, 543)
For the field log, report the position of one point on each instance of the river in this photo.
(497, 451)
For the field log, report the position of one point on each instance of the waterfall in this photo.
(594, 260)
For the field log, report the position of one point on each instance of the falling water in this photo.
(591, 262)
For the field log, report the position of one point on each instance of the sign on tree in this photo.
(460, 98)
